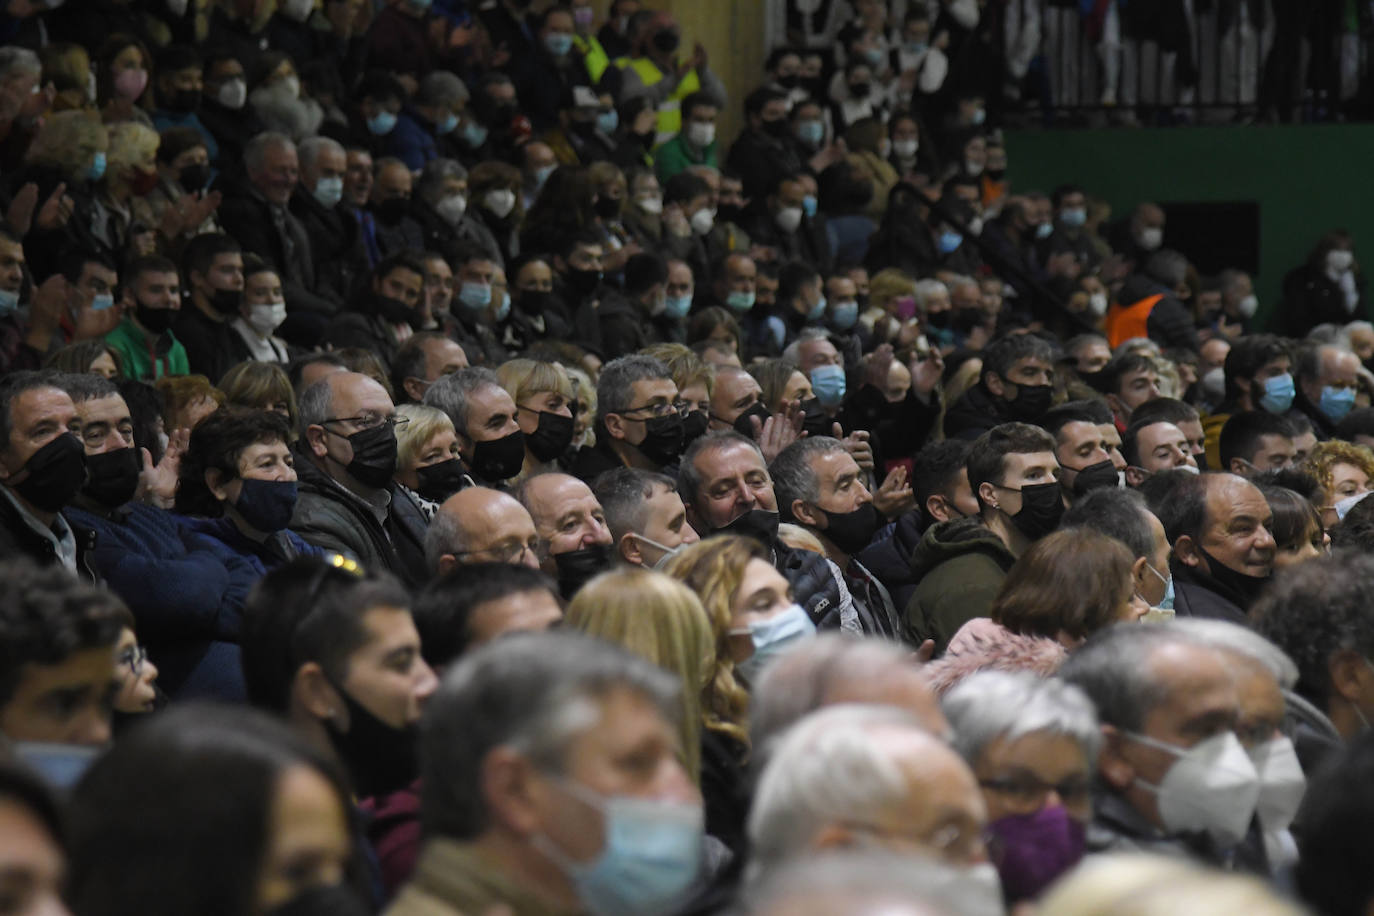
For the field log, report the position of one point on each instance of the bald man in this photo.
(480, 525)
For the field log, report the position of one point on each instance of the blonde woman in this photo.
(752, 615)
(427, 463)
(69, 147)
(544, 398)
(658, 618)
(130, 173)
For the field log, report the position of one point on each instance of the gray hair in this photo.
(1113, 669)
(442, 88)
(827, 768)
(310, 148)
(13, 57)
(800, 682)
(436, 172)
(1167, 267)
(1344, 337)
(959, 281)
(451, 393)
(313, 406)
(871, 881)
(624, 494)
(613, 393)
(444, 535)
(926, 288)
(794, 477)
(256, 150)
(1239, 640)
(1012, 704)
(1117, 513)
(1132, 344)
(793, 352)
(532, 692)
(689, 478)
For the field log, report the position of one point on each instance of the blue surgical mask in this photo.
(828, 383)
(874, 56)
(383, 122)
(811, 133)
(101, 302)
(9, 302)
(917, 48)
(844, 315)
(677, 306)
(809, 205)
(1073, 217)
(651, 854)
(474, 134)
(773, 638)
(607, 121)
(475, 297)
(1337, 402)
(61, 766)
(96, 170)
(1167, 602)
(447, 125)
(504, 309)
(1343, 506)
(1278, 394)
(329, 191)
(558, 43)
(1044, 231)
(740, 302)
(950, 242)
(817, 310)
(542, 174)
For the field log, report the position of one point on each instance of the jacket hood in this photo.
(954, 538)
(982, 644)
(1137, 287)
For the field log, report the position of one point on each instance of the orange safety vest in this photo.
(1127, 321)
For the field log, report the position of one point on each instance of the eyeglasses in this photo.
(681, 408)
(511, 552)
(1030, 792)
(953, 841)
(134, 657)
(370, 421)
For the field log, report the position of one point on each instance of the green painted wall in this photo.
(1306, 180)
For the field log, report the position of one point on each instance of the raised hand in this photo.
(895, 496)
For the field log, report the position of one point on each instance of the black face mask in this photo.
(495, 460)
(1031, 402)
(380, 759)
(577, 567)
(1042, 506)
(852, 531)
(759, 524)
(54, 473)
(534, 301)
(996, 174)
(742, 423)
(790, 81)
(816, 422)
(184, 101)
(728, 213)
(582, 283)
(374, 455)
(194, 178)
(662, 439)
(551, 438)
(860, 90)
(666, 41)
(694, 427)
(1246, 587)
(392, 210)
(267, 505)
(1100, 476)
(1201, 460)
(607, 207)
(113, 476)
(226, 301)
(440, 481)
(776, 128)
(393, 311)
(940, 319)
(157, 321)
(324, 900)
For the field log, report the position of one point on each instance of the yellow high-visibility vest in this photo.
(670, 109)
(593, 55)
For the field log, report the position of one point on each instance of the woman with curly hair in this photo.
(1344, 472)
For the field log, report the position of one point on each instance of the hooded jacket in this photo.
(976, 412)
(981, 644)
(960, 565)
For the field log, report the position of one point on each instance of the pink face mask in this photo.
(129, 84)
(904, 308)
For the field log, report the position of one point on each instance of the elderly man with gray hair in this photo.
(336, 240)
(820, 487)
(440, 205)
(1033, 744)
(553, 784)
(639, 419)
(483, 413)
(867, 776)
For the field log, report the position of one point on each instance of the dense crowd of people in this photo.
(439, 475)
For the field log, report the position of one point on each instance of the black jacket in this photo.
(818, 585)
(18, 539)
(758, 158)
(212, 347)
(898, 430)
(1310, 298)
(976, 412)
(249, 218)
(889, 556)
(336, 243)
(594, 460)
(1321, 423)
(1197, 594)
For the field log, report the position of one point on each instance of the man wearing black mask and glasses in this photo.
(348, 499)
(960, 564)
(639, 420)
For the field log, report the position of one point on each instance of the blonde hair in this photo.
(524, 377)
(714, 569)
(889, 284)
(131, 145)
(180, 391)
(67, 141)
(1326, 455)
(686, 367)
(657, 618)
(1134, 884)
(411, 437)
(259, 385)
